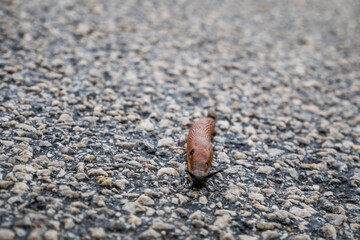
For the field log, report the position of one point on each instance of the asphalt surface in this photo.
(97, 97)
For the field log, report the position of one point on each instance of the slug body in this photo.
(200, 152)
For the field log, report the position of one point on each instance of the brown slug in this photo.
(200, 152)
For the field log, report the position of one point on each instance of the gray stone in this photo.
(97, 233)
(269, 234)
(329, 231)
(6, 234)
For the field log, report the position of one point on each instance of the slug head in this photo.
(200, 181)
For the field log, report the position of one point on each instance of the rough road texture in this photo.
(96, 99)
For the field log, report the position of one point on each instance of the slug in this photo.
(200, 152)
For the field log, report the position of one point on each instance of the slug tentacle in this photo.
(212, 174)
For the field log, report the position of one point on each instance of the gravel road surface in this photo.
(97, 97)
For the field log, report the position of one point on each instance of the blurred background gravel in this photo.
(96, 98)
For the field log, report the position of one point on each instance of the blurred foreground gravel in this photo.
(96, 99)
